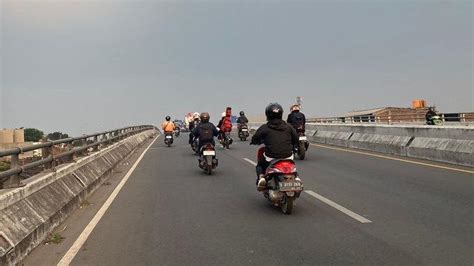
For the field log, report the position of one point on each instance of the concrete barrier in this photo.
(449, 144)
(28, 214)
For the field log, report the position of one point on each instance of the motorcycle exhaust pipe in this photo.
(275, 196)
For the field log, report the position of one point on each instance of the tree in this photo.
(57, 135)
(33, 134)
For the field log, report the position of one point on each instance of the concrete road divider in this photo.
(448, 144)
(28, 214)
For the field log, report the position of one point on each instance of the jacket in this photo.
(202, 128)
(168, 126)
(242, 120)
(297, 119)
(279, 138)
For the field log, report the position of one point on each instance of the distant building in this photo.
(387, 115)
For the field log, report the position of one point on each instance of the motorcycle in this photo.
(207, 158)
(303, 144)
(168, 139)
(435, 120)
(282, 186)
(243, 132)
(226, 140)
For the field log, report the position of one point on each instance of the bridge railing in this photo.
(60, 151)
(394, 119)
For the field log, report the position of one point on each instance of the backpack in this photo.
(227, 124)
(205, 132)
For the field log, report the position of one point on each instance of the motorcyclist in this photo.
(205, 131)
(242, 120)
(193, 124)
(167, 126)
(429, 116)
(279, 139)
(296, 118)
(225, 125)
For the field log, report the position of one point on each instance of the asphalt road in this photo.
(171, 213)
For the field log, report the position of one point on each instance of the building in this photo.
(387, 115)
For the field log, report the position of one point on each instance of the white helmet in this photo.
(196, 115)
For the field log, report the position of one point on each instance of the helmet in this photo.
(223, 115)
(168, 118)
(196, 115)
(205, 117)
(242, 113)
(274, 111)
(295, 107)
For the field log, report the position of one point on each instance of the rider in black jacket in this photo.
(242, 118)
(205, 131)
(297, 119)
(279, 139)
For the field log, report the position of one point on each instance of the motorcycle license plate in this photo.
(244, 130)
(303, 138)
(290, 186)
(169, 137)
(206, 153)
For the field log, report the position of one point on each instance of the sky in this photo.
(86, 66)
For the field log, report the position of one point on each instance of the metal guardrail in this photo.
(75, 146)
(394, 119)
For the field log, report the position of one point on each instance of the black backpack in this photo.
(205, 132)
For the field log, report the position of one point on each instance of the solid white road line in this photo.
(250, 161)
(329, 202)
(338, 207)
(72, 252)
(395, 159)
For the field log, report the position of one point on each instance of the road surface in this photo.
(357, 210)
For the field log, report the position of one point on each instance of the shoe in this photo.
(262, 183)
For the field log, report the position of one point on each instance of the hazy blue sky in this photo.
(82, 66)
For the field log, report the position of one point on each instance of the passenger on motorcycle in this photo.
(225, 125)
(167, 126)
(205, 131)
(279, 139)
(297, 119)
(193, 124)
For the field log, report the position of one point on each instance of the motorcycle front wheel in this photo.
(302, 151)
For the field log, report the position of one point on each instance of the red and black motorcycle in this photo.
(283, 183)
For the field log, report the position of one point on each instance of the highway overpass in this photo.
(359, 207)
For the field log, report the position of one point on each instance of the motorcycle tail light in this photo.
(285, 166)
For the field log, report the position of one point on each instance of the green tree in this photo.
(33, 134)
(57, 135)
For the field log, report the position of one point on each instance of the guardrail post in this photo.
(96, 147)
(47, 152)
(13, 181)
(70, 147)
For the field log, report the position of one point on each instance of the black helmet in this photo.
(168, 118)
(242, 113)
(274, 111)
(205, 117)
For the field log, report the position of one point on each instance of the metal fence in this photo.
(460, 118)
(72, 147)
